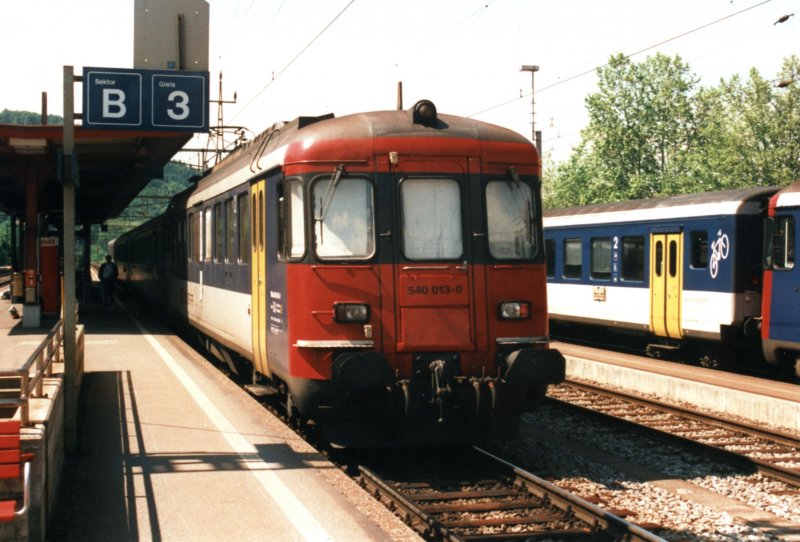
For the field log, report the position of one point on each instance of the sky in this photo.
(286, 58)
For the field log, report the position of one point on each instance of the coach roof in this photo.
(724, 202)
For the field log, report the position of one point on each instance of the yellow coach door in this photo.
(258, 276)
(666, 284)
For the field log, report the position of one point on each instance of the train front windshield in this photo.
(344, 219)
(431, 219)
(431, 216)
(509, 210)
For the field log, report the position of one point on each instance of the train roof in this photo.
(704, 204)
(789, 196)
(285, 142)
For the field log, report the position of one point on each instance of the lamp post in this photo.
(536, 136)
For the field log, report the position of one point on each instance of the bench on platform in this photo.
(13, 463)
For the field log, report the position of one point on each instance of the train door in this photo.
(258, 276)
(666, 284)
(434, 277)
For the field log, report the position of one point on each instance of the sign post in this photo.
(71, 385)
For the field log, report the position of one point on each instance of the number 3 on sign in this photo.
(180, 105)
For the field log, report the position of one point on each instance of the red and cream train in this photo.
(383, 272)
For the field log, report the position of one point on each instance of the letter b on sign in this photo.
(113, 103)
(112, 99)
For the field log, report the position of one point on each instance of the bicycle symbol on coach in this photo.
(719, 251)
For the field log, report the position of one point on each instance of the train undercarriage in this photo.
(365, 404)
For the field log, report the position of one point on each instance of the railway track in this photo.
(473, 495)
(771, 453)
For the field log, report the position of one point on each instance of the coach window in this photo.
(550, 256)
(219, 234)
(781, 243)
(180, 253)
(194, 231)
(230, 231)
(344, 223)
(573, 259)
(699, 241)
(189, 237)
(509, 214)
(243, 227)
(431, 219)
(208, 235)
(632, 258)
(601, 258)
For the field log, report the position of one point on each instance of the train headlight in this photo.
(347, 313)
(514, 310)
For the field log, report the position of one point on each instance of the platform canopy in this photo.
(112, 168)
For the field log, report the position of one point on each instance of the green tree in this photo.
(751, 130)
(641, 124)
(5, 241)
(652, 132)
(151, 202)
(8, 116)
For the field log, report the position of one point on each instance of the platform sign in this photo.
(122, 99)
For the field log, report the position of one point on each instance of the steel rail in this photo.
(601, 522)
(786, 475)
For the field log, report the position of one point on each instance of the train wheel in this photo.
(292, 414)
(793, 367)
(789, 365)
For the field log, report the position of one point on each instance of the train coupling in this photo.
(442, 373)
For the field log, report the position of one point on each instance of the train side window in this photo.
(781, 247)
(189, 237)
(573, 259)
(294, 222)
(183, 242)
(208, 235)
(432, 227)
(601, 258)
(550, 256)
(509, 213)
(194, 231)
(230, 230)
(219, 233)
(699, 241)
(633, 258)
(344, 218)
(243, 227)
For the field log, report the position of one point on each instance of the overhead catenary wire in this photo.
(638, 52)
(294, 59)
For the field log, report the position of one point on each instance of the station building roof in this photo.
(112, 168)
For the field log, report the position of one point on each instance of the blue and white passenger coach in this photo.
(681, 271)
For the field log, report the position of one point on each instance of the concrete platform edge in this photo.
(768, 411)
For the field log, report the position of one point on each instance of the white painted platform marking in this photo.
(295, 511)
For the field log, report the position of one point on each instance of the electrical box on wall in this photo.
(170, 35)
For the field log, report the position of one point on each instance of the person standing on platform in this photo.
(108, 275)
